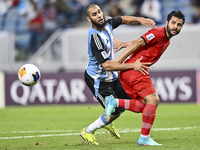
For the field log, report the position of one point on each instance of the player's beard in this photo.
(169, 31)
(98, 25)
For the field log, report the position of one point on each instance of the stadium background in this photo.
(55, 40)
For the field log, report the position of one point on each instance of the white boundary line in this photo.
(47, 131)
(68, 134)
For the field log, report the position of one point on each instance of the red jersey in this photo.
(137, 85)
(156, 43)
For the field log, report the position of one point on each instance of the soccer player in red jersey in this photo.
(138, 86)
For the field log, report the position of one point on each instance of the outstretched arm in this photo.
(111, 65)
(131, 48)
(118, 45)
(135, 20)
(118, 64)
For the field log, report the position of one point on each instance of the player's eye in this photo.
(179, 24)
(94, 14)
(173, 22)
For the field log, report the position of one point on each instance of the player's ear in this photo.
(88, 18)
(166, 23)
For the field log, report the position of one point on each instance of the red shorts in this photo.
(136, 85)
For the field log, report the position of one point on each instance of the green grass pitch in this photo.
(56, 127)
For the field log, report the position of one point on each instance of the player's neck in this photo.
(99, 29)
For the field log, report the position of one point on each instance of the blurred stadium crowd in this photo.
(33, 21)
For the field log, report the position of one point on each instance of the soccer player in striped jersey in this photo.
(101, 74)
(138, 86)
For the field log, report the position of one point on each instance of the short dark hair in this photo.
(88, 7)
(176, 13)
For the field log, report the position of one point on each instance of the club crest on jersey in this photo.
(104, 54)
(150, 36)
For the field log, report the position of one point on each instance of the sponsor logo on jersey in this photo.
(150, 36)
(104, 54)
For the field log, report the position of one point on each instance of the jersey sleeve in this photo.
(114, 21)
(150, 37)
(97, 48)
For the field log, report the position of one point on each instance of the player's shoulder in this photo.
(158, 30)
(154, 33)
(108, 18)
(93, 31)
(111, 20)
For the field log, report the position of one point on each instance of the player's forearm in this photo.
(113, 65)
(136, 20)
(131, 20)
(128, 51)
(127, 44)
(131, 48)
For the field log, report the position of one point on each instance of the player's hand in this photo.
(141, 67)
(118, 45)
(148, 22)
